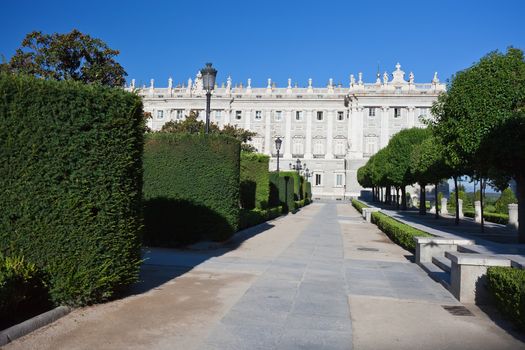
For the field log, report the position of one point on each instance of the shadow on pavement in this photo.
(164, 264)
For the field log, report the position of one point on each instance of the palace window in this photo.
(298, 148)
(318, 180)
(340, 148)
(319, 148)
(238, 115)
(299, 115)
(338, 180)
(372, 112)
(258, 115)
(397, 112)
(180, 113)
(278, 116)
(319, 116)
(340, 116)
(160, 114)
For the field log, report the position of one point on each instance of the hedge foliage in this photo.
(282, 191)
(308, 191)
(358, 205)
(191, 188)
(255, 183)
(298, 181)
(398, 232)
(71, 184)
(491, 217)
(507, 287)
(22, 291)
(249, 218)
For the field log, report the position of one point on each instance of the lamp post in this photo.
(208, 82)
(298, 166)
(278, 143)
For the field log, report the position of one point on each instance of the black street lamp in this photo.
(298, 166)
(278, 143)
(208, 82)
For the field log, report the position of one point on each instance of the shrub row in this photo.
(254, 178)
(398, 232)
(282, 191)
(507, 287)
(71, 184)
(358, 205)
(191, 188)
(257, 216)
(491, 217)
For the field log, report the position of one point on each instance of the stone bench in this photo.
(367, 213)
(468, 275)
(427, 247)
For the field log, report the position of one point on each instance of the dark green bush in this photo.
(308, 190)
(255, 183)
(22, 291)
(191, 188)
(507, 287)
(71, 184)
(358, 205)
(402, 234)
(491, 217)
(249, 218)
(282, 191)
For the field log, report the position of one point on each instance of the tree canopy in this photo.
(191, 124)
(70, 56)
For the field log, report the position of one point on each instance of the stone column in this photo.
(329, 135)
(411, 119)
(385, 134)
(513, 216)
(460, 205)
(477, 211)
(268, 133)
(308, 151)
(444, 210)
(227, 116)
(287, 154)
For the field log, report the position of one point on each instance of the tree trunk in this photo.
(457, 199)
(422, 200)
(397, 198)
(520, 182)
(481, 202)
(381, 199)
(436, 200)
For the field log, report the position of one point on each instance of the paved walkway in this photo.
(320, 279)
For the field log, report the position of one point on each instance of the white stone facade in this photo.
(332, 129)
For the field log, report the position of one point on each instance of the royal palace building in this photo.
(332, 130)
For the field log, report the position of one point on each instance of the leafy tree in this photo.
(191, 124)
(401, 147)
(507, 197)
(70, 56)
(482, 118)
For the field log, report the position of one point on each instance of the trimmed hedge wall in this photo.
(255, 183)
(191, 188)
(507, 287)
(71, 184)
(249, 218)
(491, 217)
(297, 183)
(402, 234)
(358, 205)
(308, 191)
(282, 191)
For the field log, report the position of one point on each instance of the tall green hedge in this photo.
(297, 183)
(255, 183)
(71, 183)
(282, 191)
(308, 190)
(191, 188)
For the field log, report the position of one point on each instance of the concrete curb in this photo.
(28, 326)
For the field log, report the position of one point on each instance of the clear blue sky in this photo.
(279, 39)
